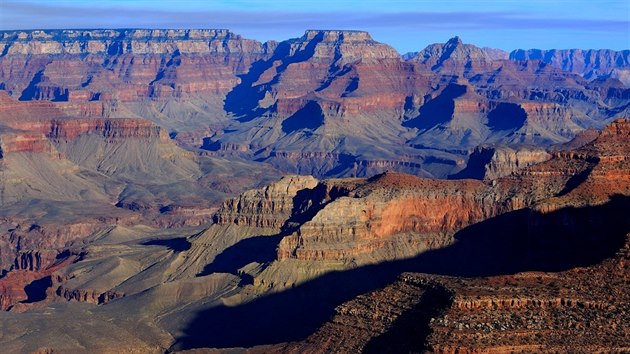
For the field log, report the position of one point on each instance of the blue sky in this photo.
(405, 24)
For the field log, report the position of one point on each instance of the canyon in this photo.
(302, 241)
(197, 191)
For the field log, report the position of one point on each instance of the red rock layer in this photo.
(13, 294)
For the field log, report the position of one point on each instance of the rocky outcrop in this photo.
(487, 162)
(576, 310)
(89, 296)
(591, 63)
(28, 285)
(582, 309)
(35, 247)
(357, 323)
(366, 221)
(268, 207)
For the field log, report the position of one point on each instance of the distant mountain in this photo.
(454, 51)
(591, 63)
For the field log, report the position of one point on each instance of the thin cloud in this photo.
(27, 15)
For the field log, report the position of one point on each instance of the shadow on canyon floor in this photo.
(409, 331)
(36, 290)
(177, 244)
(522, 240)
(260, 249)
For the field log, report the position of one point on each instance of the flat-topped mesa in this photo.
(339, 35)
(155, 34)
(136, 41)
(268, 207)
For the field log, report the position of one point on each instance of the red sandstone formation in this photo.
(13, 286)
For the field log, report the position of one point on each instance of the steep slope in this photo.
(64, 178)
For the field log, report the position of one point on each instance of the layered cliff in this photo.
(123, 72)
(268, 207)
(330, 94)
(387, 217)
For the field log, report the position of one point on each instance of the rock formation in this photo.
(487, 162)
(269, 207)
(64, 178)
(301, 247)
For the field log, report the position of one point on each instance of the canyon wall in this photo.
(327, 92)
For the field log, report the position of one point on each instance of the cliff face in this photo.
(376, 217)
(114, 72)
(135, 41)
(512, 285)
(269, 207)
(327, 92)
(589, 63)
